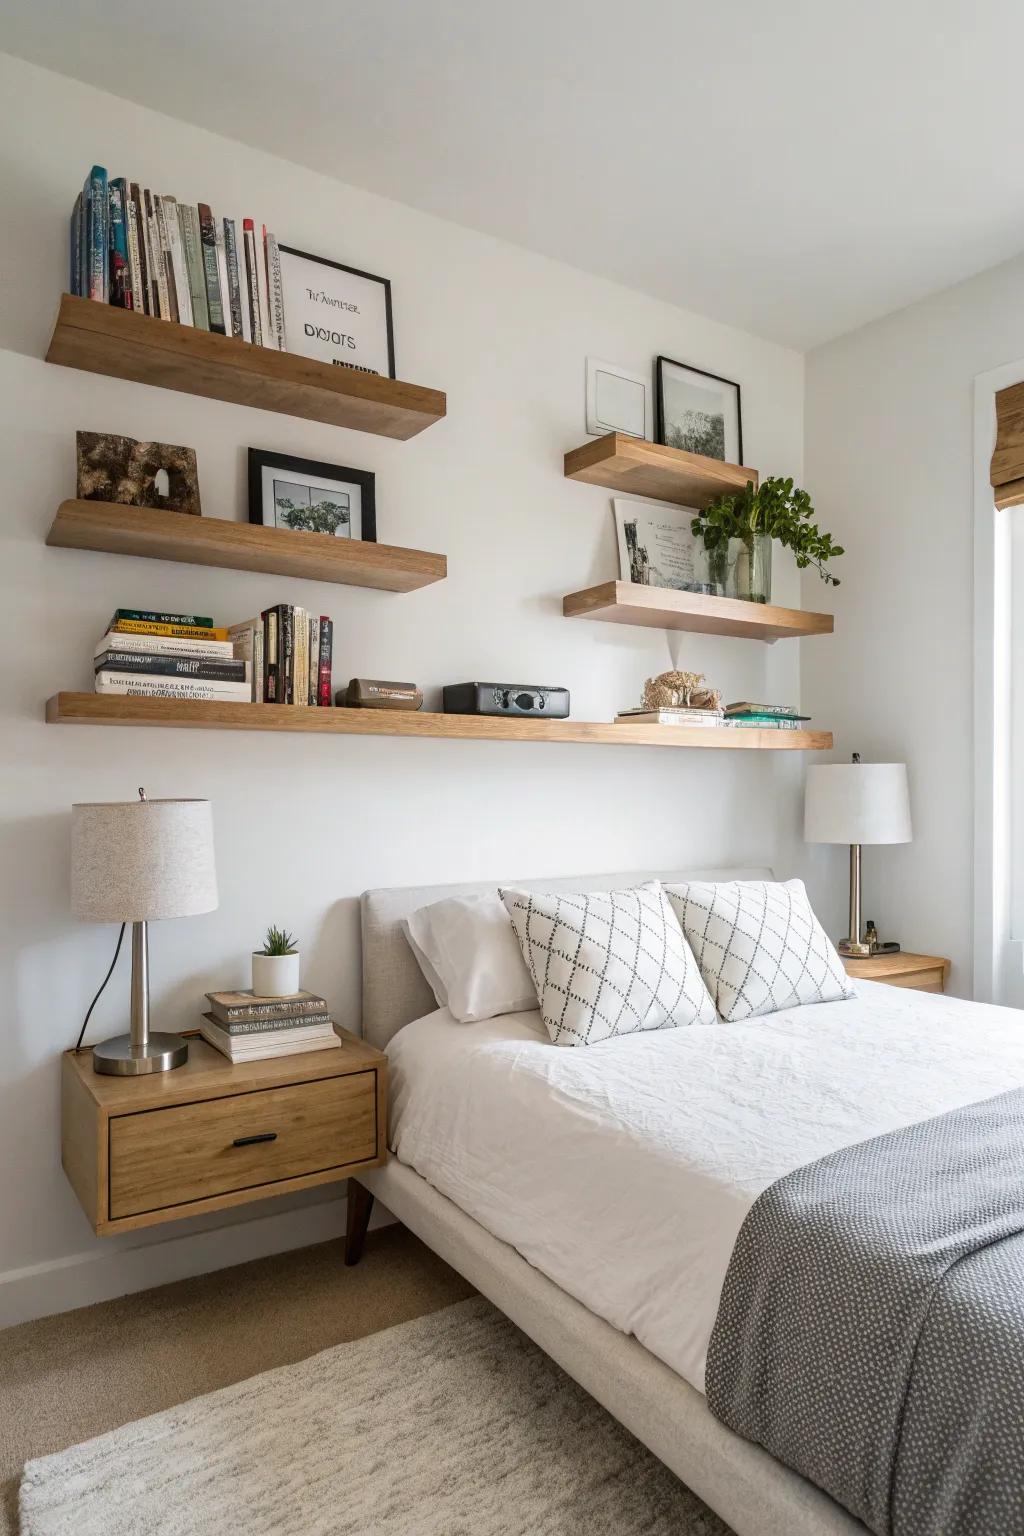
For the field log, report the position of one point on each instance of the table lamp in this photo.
(133, 861)
(857, 803)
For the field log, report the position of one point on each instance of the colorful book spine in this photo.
(176, 259)
(271, 657)
(325, 661)
(234, 280)
(173, 312)
(75, 268)
(275, 291)
(98, 275)
(131, 224)
(192, 247)
(120, 274)
(181, 631)
(252, 281)
(208, 238)
(222, 274)
(761, 722)
(261, 288)
(202, 668)
(144, 616)
(286, 655)
(145, 256)
(313, 676)
(135, 686)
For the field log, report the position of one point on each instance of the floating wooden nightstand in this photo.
(922, 973)
(144, 1150)
(129, 345)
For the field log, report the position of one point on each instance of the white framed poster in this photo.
(657, 547)
(617, 400)
(337, 314)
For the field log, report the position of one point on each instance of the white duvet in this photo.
(623, 1171)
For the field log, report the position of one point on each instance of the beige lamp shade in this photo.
(857, 803)
(134, 860)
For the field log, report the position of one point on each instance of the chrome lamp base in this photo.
(139, 1052)
(121, 1057)
(854, 948)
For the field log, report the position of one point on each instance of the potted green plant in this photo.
(275, 967)
(738, 530)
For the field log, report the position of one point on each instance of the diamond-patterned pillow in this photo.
(608, 963)
(759, 946)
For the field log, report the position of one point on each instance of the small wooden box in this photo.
(143, 1150)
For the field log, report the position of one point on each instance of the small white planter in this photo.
(275, 975)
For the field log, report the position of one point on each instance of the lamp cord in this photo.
(92, 1005)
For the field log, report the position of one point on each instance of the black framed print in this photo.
(697, 411)
(288, 492)
(337, 314)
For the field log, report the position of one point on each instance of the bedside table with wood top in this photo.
(922, 973)
(143, 1150)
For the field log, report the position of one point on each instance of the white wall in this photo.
(889, 456)
(303, 825)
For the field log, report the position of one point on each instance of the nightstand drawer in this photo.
(167, 1157)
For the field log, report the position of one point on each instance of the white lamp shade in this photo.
(135, 860)
(857, 803)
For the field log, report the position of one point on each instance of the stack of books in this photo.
(138, 250)
(290, 655)
(170, 656)
(246, 1027)
(674, 716)
(765, 717)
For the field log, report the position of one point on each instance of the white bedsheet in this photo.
(624, 1171)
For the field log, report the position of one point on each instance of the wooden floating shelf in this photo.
(633, 467)
(158, 534)
(627, 602)
(129, 345)
(106, 709)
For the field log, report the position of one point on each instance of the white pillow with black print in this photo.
(608, 963)
(759, 946)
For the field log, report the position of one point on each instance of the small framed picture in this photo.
(337, 314)
(698, 411)
(617, 400)
(286, 492)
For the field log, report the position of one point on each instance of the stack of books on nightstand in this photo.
(169, 656)
(246, 1027)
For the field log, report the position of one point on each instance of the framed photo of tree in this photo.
(698, 411)
(288, 492)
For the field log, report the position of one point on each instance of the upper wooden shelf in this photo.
(129, 345)
(633, 467)
(112, 709)
(163, 535)
(627, 602)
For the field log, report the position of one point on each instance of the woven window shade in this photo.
(1007, 473)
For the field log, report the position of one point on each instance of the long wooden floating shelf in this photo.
(163, 535)
(627, 602)
(633, 467)
(105, 709)
(130, 345)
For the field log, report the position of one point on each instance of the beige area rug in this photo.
(452, 1425)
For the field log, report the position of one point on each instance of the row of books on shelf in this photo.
(177, 261)
(743, 715)
(282, 656)
(246, 1027)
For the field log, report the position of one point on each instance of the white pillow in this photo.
(759, 946)
(608, 963)
(468, 953)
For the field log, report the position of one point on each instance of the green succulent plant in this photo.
(777, 509)
(278, 942)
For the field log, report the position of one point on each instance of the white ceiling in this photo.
(793, 167)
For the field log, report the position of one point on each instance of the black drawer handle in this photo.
(250, 1141)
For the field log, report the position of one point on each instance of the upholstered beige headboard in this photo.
(394, 991)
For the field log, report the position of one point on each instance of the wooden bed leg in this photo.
(360, 1204)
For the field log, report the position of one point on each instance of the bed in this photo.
(635, 1333)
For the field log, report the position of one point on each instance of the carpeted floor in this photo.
(64, 1379)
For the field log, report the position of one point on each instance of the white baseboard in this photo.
(117, 1267)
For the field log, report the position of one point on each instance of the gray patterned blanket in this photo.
(871, 1329)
